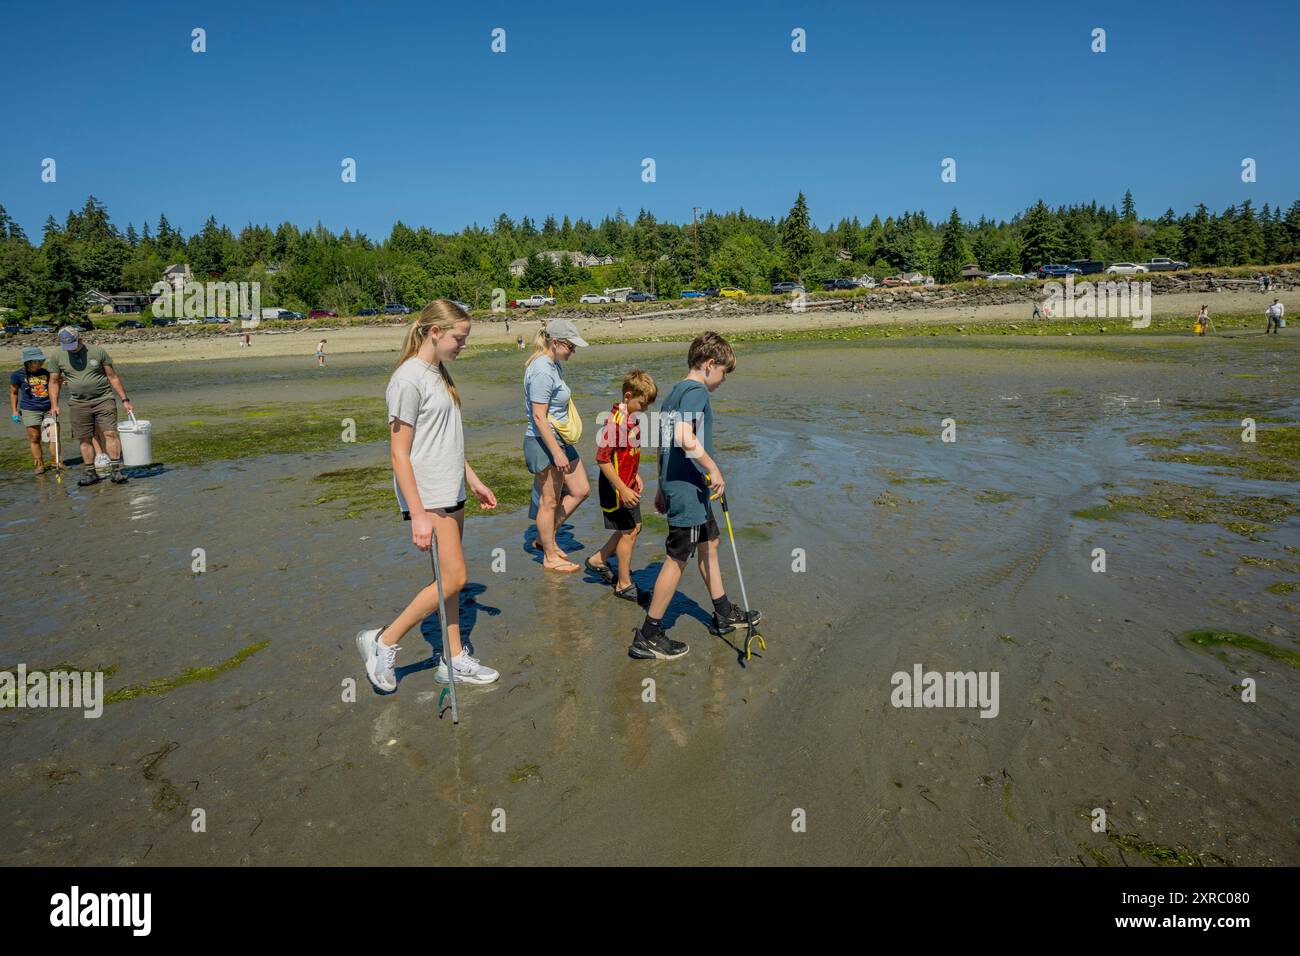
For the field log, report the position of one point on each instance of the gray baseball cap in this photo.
(70, 337)
(566, 330)
(33, 354)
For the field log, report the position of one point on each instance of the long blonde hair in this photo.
(541, 346)
(439, 314)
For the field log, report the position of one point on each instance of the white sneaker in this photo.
(468, 671)
(379, 660)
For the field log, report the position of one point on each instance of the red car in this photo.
(322, 314)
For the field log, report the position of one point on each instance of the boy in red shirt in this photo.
(618, 456)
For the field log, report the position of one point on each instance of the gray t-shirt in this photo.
(418, 396)
(544, 382)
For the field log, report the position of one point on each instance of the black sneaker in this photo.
(657, 646)
(91, 477)
(734, 618)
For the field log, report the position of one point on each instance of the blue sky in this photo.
(446, 133)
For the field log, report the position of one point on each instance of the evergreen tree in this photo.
(953, 251)
(1040, 238)
(796, 236)
(1130, 210)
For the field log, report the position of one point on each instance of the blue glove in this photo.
(16, 418)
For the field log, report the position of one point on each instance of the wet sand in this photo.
(968, 559)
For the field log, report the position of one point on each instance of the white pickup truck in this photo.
(534, 301)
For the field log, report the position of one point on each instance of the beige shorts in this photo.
(32, 417)
(87, 416)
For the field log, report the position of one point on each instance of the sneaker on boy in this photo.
(469, 670)
(379, 658)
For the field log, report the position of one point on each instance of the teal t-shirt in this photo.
(680, 478)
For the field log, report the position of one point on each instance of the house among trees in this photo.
(176, 276)
(118, 303)
(972, 270)
(580, 260)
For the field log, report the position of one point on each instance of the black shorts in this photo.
(682, 542)
(618, 516)
(406, 515)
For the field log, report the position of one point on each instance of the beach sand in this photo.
(958, 556)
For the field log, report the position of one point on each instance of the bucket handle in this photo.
(132, 415)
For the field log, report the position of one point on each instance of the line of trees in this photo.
(316, 268)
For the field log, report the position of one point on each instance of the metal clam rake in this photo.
(751, 632)
(442, 625)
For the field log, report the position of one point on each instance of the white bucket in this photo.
(137, 442)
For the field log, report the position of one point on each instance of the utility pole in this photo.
(696, 223)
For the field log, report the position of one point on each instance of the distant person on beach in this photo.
(620, 485)
(88, 374)
(29, 402)
(520, 342)
(248, 341)
(1274, 313)
(320, 354)
(1202, 320)
(430, 477)
(1038, 313)
(549, 437)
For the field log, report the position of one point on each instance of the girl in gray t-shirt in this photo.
(430, 476)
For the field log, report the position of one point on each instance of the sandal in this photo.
(629, 593)
(601, 571)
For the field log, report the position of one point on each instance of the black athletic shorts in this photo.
(618, 516)
(406, 515)
(682, 542)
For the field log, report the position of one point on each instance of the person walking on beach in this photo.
(1274, 313)
(320, 354)
(430, 476)
(1202, 320)
(620, 485)
(91, 380)
(689, 479)
(29, 403)
(549, 437)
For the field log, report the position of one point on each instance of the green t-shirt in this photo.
(83, 372)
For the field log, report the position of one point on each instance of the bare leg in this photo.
(626, 542)
(670, 575)
(576, 490)
(451, 561)
(34, 442)
(550, 484)
(711, 568)
(113, 445)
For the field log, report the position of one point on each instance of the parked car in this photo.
(13, 330)
(188, 321)
(1088, 266)
(591, 298)
(160, 323)
(368, 312)
(130, 324)
(322, 314)
(893, 282)
(1124, 268)
(691, 294)
(40, 328)
(396, 308)
(535, 301)
(642, 297)
(290, 314)
(218, 319)
(712, 292)
(1054, 271)
(782, 288)
(1005, 277)
(1163, 264)
(731, 292)
(832, 284)
(867, 282)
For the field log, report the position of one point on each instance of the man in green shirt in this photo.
(87, 373)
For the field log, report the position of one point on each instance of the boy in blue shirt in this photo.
(688, 478)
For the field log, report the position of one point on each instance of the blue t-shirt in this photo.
(33, 390)
(680, 478)
(544, 382)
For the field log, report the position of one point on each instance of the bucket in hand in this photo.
(137, 442)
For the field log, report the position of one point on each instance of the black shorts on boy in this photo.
(618, 516)
(682, 542)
